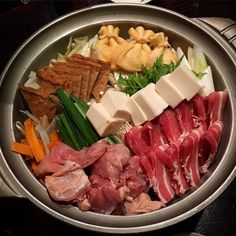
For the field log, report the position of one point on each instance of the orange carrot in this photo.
(54, 138)
(21, 148)
(33, 140)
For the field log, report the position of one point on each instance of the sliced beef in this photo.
(215, 103)
(158, 176)
(184, 117)
(141, 139)
(175, 168)
(189, 151)
(169, 125)
(199, 112)
(135, 141)
(180, 144)
(208, 145)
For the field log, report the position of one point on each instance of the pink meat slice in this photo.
(215, 103)
(169, 125)
(158, 176)
(184, 117)
(135, 140)
(208, 145)
(111, 164)
(176, 173)
(199, 112)
(189, 150)
(141, 204)
(141, 139)
(67, 184)
(157, 133)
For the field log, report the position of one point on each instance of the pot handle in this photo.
(224, 26)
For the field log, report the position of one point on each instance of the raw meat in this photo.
(68, 183)
(141, 204)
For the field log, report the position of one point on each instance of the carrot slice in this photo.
(33, 140)
(21, 148)
(54, 137)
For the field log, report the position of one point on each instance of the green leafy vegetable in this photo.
(80, 122)
(199, 74)
(74, 128)
(137, 81)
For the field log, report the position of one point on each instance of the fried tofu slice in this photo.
(38, 102)
(102, 80)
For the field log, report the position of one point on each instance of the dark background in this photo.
(19, 216)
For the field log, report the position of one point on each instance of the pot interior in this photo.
(52, 39)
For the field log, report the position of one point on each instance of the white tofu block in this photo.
(168, 91)
(151, 103)
(114, 103)
(184, 80)
(102, 121)
(137, 115)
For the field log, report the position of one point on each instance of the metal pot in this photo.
(44, 45)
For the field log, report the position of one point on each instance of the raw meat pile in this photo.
(167, 154)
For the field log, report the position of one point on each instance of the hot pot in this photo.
(17, 178)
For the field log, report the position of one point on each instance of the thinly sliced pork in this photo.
(176, 172)
(158, 176)
(189, 156)
(215, 103)
(208, 145)
(169, 125)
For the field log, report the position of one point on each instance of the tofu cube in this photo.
(150, 102)
(114, 102)
(137, 115)
(168, 91)
(103, 122)
(185, 81)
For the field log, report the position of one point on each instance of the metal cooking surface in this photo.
(44, 45)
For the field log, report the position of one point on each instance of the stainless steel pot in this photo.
(53, 38)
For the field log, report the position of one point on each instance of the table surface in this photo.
(19, 216)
